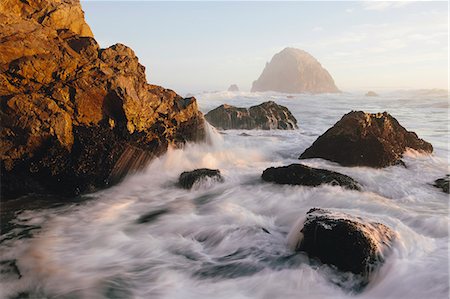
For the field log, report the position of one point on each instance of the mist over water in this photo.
(230, 240)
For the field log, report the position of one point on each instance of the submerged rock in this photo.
(349, 243)
(266, 116)
(443, 183)
(233, 87)
(298, 174)
(295, 71)
(366, 139)
(371, 93)
(188, 178)
(75, 117)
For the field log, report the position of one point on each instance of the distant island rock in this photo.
(74, 117)
(295, 71)
(371, 93)
(233, 87)
(366, 139)
(266, 116)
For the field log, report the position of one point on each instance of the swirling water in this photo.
(229, 240)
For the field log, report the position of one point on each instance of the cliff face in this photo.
(75, 117)
(295, 71)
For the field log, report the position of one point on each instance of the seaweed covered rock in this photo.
(75, 117)
(298, 174)
(349, 243)
(266, 116)
(188, 178)
(366, 139)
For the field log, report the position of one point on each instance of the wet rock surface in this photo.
(349, 243)
(298, 174)
(266, 116)
(366, 139)
(443, 183)
(75, 117)
(295, 71)
(188, 178)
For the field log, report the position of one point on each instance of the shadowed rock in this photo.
(266, 116)
(443, 183)
(188, 178)
(298, 174)
(349, 243)
(366, 139)
(75, 117)
(294, 71)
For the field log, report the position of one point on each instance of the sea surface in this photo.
(147, 238)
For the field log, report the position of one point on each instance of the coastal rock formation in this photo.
(298, 174)
(349, 243)
(266, 116)
(75, 117)
(233, 87)
(295, 71)
(371, 93)
(188, 178)
(366, 139)
(443, 183)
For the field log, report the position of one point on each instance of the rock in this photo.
(74, 117)
(266, 116)
(349, 243)
(233, 87)
(295, 71)
(298, 174)
(188, 178)
(443, 183)
(371, 93)
(366, 139)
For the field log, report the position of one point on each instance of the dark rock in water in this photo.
(371, 94)
(347, 242)
(233, 87)
(294, 71)
(151, 216)
(266, 116)
(366, 139)
(189, 178)
(298, 174)
(75, 117)
(443, 183)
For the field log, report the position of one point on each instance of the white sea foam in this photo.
(230, 240)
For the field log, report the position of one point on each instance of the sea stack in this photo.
(233, 87)
(75, 117)
(295, 71)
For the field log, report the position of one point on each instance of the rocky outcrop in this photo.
(371, 93)
(298, 174)
(349, 243)
(366, 139)
(443, 183)
(75, 117)
(266, 116)
(295, 71)
(233, 88)
(188, 178)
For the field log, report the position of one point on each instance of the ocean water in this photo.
(229, 240)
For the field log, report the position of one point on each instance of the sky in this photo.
(208, 45)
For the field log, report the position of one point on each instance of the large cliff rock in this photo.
(366, 139)
(265, 116)
(75, 117)
(295, 71)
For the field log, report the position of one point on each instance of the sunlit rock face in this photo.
(75, 117)
(266, 116)
(366, 139)
(295, 71)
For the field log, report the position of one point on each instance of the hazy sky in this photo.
(195, 46)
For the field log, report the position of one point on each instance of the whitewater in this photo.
(229, 240)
